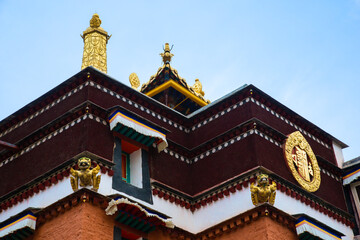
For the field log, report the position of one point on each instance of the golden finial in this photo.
(134, 81)
(197, 87)
(95, 21)
(166, 56)
(95, 40)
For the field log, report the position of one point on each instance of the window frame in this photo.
(127, 170)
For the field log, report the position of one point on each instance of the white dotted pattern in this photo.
(53, 134)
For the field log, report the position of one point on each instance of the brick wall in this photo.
(264, 228)
(83, 222)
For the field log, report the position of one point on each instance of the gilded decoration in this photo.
(263, 192)
(134, 81)
(95, 40)
(195, 90)
(86, 175)
(166, 56)
(197, 87)
(302, 162)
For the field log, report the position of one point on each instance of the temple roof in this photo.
(169, 88)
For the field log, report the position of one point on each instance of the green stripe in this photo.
(138, 139)
(145, 140)
(121, 217)
(128, 133)
(134, 135)
(122, 130)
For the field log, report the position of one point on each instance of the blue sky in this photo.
(305, 54)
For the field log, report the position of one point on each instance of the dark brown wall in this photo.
(46, 117)
(221, 166)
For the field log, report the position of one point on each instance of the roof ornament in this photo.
(166, 56)
(264, 191)
(85, 176)
(197, 87)
(134, 81)
(302, 162)
(95, 40)
(95, 21)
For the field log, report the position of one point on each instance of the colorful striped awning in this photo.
(351, 176)
(136, 130)
(19, 228)
(135, 216)
(308, 230)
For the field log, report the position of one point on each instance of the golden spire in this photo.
(166, 56)
(95, 40)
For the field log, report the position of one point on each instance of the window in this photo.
(131, 170)
(125, 167)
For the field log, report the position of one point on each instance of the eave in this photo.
(178, 87)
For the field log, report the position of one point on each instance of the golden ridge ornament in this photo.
(166, 56)
(264, 191)
(302, 162)
(86, 175)
(197, 87)
(134, 81)
(95, 40)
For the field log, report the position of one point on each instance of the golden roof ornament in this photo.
(95, 40)
(197, 87)
(264, 191)
(174, 80)
(85, 176)
(166, 56)
(302, 162)
(134, 81)
(95, 21)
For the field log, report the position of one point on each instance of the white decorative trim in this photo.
(164, 119)
(233, 107)
(26, 221)
(177, 155)
(194, 222)
(112, 209)
(247, 100)
(42, 110)
(222, 146)
(289, 123)
(138, 127)
(53, 134)
(138, 106)
(305, 226)
(266, 137)
(352, 178)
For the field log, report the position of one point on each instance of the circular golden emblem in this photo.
(134, 80)
(302, 162)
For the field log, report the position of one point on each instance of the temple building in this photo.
(96, 159)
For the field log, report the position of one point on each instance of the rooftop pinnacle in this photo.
(95, 21)
(166, 56)
(95, 40)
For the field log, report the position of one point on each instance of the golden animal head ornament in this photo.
(302, 162)
(263, 179)
(84, 163)
(264, 191)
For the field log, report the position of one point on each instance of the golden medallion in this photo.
(302, 162)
